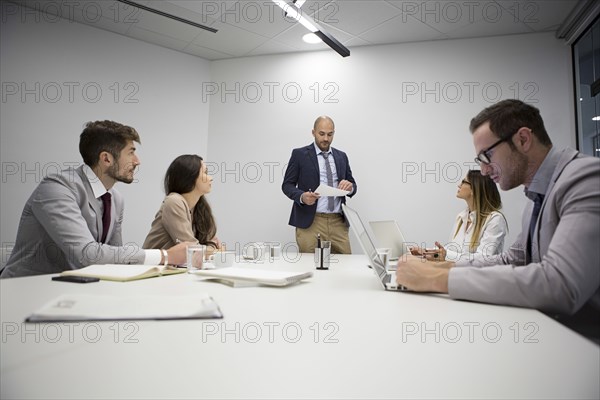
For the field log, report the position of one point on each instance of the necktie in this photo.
(329, 179)
(106, 215)
(537, 205)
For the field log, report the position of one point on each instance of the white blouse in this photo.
(491, 237)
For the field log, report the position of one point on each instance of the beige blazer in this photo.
(172, 224)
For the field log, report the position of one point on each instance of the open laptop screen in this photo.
(388, 234)
(366, 242)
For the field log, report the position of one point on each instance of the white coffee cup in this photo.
(256, 251)
(225, 258)
(273, 251)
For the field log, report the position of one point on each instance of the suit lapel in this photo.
(567, 156)
(338, 164)
(93, 202)
(312, 156)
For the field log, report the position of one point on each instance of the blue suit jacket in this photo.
(302, 174)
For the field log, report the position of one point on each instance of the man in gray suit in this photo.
(73, 218)
(554, 264)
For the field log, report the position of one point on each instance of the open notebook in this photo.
(123, 272)
(92, 307)
(234, 275)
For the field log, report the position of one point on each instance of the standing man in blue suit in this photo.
(312, 165)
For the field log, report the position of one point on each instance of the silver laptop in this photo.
(388, 235)
(388, 278)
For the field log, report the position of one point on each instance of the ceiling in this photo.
(259, 27)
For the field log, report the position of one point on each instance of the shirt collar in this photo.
(541, 179)
(319, 151)
(97, 186)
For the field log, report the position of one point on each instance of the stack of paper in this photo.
(260, 276)
(90, 307)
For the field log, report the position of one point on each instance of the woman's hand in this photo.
(438, 254)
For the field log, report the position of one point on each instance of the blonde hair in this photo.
(486, 199)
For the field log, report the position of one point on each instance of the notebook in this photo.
(123, 272)
(233, 275)
(388, 234)
(388, 278)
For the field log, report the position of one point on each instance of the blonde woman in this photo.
(480, 228)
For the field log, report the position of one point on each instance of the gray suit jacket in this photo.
(61, 226)
(565, 271)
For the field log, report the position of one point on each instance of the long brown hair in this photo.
(181, 178)
(486, 199)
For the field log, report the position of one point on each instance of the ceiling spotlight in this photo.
(311, 38)
(292, 11)
(596, 118)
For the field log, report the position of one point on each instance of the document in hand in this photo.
(91, 307)
(123, 272)
(326, 191)
(260, 276)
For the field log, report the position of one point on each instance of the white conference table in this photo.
(336, 335)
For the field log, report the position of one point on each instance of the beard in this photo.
(518, 171)
(115, 173)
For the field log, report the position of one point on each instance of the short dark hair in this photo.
(102, 136)
(507, 116)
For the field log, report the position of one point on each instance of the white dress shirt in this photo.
(322, 202)
(491, 237)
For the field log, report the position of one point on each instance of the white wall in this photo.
(41, 135)
(400, 111)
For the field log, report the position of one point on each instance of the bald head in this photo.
(323, 132)
(323, 118)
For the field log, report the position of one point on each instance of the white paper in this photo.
(327, 191)
(89, 307)
(262, 276)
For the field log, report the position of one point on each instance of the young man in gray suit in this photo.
(554, 264)
(73, 218)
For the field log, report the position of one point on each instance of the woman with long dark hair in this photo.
(185, 215)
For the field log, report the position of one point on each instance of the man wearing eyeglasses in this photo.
(554, 264)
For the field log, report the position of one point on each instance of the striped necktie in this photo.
(329, 179)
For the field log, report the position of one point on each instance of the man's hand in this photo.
(309, 198)
(345, 185)
(421, 275)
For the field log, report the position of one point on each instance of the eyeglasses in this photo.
(484, 157)
(464, 181)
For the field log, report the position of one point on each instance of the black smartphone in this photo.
(75, 279)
